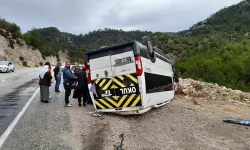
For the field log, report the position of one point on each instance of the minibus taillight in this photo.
(88, 74)
(138, 64)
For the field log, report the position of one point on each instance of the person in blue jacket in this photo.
(68, 79)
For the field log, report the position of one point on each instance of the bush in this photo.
(25, 63)
(11, 43)
(241, 98)
(19, 42)
(4, 34)
(21, 58)
(41, 63)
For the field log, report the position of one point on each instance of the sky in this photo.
(83, 16)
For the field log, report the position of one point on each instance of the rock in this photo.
(191, 88)
(225, 94)
(224, 88)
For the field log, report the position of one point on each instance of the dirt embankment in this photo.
(192, 121)
(23, 55)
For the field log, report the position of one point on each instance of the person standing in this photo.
(45, 82)
(82, 88)
(67, 82)
(76, 70)
(58, 75)
(86, 69)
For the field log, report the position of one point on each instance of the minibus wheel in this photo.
(146, 41)
(153, 57)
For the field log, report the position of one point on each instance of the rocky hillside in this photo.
(50, 40)
(17, 51)
(201, 91)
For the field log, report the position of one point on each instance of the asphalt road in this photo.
(178, 125)
(15, 89)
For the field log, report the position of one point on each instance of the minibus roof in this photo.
(137, 51)
(112, 47)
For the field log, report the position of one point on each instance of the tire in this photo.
(153, 58)
(13, 70)
(146, 41)
(7, 71)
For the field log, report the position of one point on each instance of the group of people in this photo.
(77, 81)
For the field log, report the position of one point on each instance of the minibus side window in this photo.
(158, 83)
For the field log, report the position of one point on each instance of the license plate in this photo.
(122, 61)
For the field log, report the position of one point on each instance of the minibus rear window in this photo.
(108, 52)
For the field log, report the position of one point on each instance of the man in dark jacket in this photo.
(67, 82)
(82, 89)
(58, 75)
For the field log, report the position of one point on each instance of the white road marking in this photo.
(8, 131)
(21, 73)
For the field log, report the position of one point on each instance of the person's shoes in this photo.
(49, 97)
(79, 105)
(45, 101)
(68, 105)
(84, 104)
(58, 91)
(42, 101)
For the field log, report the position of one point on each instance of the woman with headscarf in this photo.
(45, 82)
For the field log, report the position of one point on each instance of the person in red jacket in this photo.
(45, 77)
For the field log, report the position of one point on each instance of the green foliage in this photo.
(4, 33)
(215, 50)
(241, 98)
(11, 28)
(50, 40)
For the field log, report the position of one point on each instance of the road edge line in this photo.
(10, 128)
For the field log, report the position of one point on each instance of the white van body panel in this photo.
(99, 66)
(160, 68)
(123, 69)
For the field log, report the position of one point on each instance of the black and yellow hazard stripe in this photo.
(122, 81)
(114, 85)
(117, 82)
(104, 83)
(124, 101)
